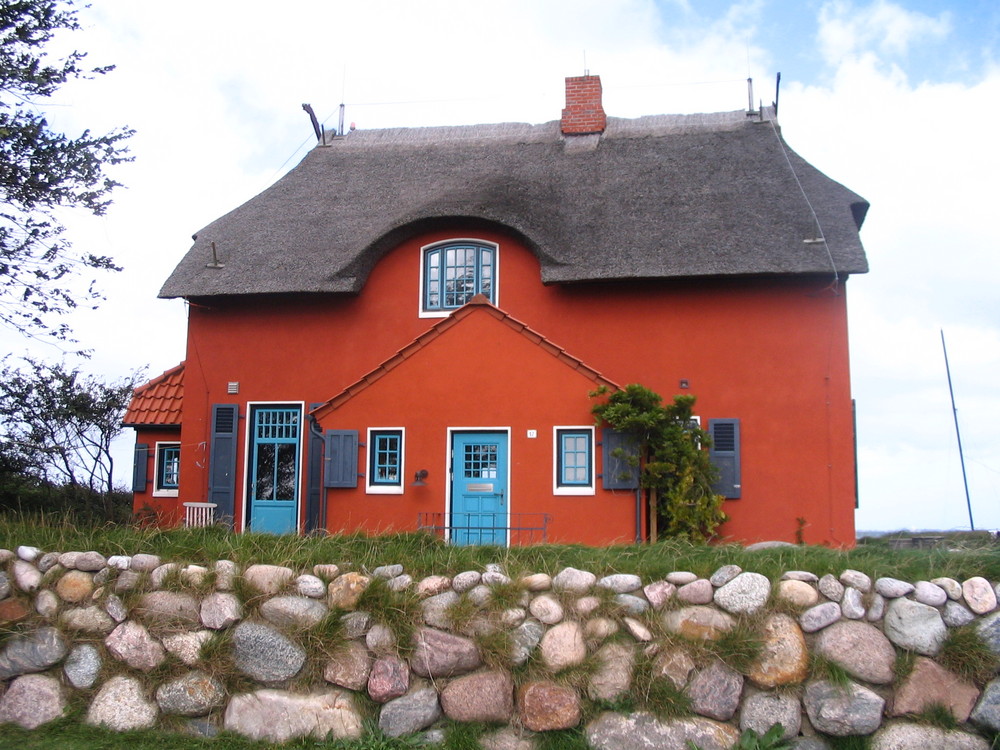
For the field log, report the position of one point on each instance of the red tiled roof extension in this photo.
(158, 402)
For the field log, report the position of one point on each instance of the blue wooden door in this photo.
(479, 488)
(274, 469)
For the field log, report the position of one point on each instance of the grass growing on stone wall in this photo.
(821, 668)
(851, 742)
(965, 653)
(422, 554)
(903, 666)
(399, 611)
(70, 734)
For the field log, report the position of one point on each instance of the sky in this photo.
(896, 100)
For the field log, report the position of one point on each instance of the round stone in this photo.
(265, 654)
(798, 593)
(746, 593)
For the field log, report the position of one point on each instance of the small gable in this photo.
(472, 365)
(158, 402)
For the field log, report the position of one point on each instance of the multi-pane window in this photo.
(274, 465)
(168, 468)
(456, 272)
(574, 453)
(385, 460)
(480, 461)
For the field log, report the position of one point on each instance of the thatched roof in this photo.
(667, 196)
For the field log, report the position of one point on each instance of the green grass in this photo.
(69, 734)
(937, 715)
(851, 742)
(423, 554)
(905, 661)
(965, 653)
(821, 668)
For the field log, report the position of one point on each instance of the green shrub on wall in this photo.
(671, 453)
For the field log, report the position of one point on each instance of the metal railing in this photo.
(503, 529)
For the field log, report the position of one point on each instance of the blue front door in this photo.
(274, 469)
(479, 488)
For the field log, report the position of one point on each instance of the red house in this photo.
(403, 331)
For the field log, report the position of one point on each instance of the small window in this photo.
(385, 461)
(454, 273)
(168, 469)
(574, 461)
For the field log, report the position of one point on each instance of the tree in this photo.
(58, 425)
(42, 170)
(671, 453)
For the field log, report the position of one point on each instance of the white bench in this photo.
(199, 514)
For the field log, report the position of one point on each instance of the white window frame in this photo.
(372, 488)
(157, 491)
(575, 489)
(421, 312)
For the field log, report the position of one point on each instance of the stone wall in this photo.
(274, 653)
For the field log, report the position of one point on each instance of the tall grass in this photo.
(422, 554)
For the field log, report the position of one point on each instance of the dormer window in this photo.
(456, 271)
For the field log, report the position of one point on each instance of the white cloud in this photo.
(214, 90)
(848, 30)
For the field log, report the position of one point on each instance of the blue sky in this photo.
(897, 100)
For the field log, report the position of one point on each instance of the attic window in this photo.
(454, 272)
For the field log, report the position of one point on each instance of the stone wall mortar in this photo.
(274, 653)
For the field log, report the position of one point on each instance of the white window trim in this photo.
(421, 312)
(571, 490)
(385, 489)
(157, 492)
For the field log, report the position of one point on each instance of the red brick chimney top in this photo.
(584, 112)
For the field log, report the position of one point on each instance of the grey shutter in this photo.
(314, 474)
(725, 455)
(140, 467)
(617, 472)
(341, 458)
(222, 460)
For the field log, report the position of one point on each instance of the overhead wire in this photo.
(821, 236)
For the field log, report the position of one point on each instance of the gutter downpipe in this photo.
(638, 515)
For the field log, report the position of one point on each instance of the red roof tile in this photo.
(159, 401)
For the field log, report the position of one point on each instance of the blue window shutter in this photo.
(139, 468)
(618, 473)
(341, 458)
(222, 460)
(725, 455)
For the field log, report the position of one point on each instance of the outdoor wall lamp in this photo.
(419, 477)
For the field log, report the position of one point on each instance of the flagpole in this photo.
(954, 411)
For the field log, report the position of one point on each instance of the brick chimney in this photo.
(584, 112)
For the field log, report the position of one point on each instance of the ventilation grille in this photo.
(724, 436)
(225, 420)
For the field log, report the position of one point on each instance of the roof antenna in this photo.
(750, 111)
(215, 259)
(777, 89)
(320, 133)
(343, 95)
(586, 70)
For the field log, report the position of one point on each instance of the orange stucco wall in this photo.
(147, 506)
(772, 353)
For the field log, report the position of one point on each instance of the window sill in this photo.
(574, 491)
